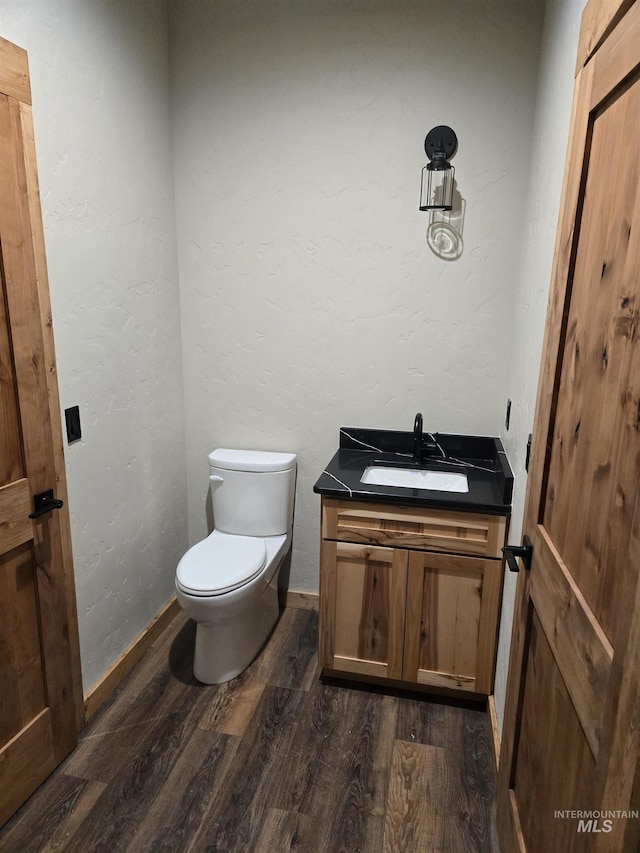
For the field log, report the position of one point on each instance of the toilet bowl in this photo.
(228, 582)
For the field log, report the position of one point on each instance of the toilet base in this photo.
(226, 647)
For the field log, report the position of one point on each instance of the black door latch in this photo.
(43, 503)
(524, 551)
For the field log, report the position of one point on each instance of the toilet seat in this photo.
(220, 563)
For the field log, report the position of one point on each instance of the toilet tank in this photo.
(252, 491)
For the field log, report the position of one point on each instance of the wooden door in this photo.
(362, 597)
(568, 775)
(451, 620)
(40, 684)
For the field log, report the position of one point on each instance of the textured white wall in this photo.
(309, 296)
(99, 75)
(553, 112)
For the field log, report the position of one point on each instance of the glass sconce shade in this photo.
(438, 176)
(436, 186)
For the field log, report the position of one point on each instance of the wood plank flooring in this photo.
(277, 760)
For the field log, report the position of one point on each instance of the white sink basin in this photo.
(414, 478)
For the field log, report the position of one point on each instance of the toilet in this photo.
(228, 582)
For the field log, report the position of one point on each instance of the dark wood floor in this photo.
(278, 759)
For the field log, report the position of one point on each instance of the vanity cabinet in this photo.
(410, 594)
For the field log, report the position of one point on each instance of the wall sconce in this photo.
(437, 180)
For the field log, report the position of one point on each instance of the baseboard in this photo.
(299, 600)
(494, 732)
(129, 659)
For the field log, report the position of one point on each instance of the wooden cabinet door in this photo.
(451, 620)
(40, 684)
(362, 605)
(568, 774)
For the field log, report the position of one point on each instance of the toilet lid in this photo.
(220, 563)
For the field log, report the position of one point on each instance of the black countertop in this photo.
(481, 458)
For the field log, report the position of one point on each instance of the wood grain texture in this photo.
(195, 781)
(598, 19)
(495, 732)
(14, 72)
(415, 812)
(452, 615)
(367, 608)
(549, 741)
(15, 506)
(470, 796)
(250, 787)
(581, 649)
(293, 661)
(23, 692)
(22, 300)
(594, 465)
(574, 649)
(408, 613)
(26, 759)
(507, 818)
(408, 527)
(284, 831)
(234, 704)
(63, 807)
(11, 457)
(327, 610)
(491, 596)
(467, 796)
(616, 58)
(617, 780)
(63, 539)
(315, 766)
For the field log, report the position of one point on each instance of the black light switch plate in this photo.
(72, 417)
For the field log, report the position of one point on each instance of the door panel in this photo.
(11, 463)
(569, 738)
(40, 708)
(581, 649)
(551, 739)
(22, 678)
(593, 472)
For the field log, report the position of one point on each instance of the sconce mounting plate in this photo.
(441, 138)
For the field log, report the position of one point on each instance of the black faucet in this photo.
(423, 448)
(417, 438)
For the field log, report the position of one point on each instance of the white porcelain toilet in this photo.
(228, 583)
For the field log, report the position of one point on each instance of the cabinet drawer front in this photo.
(472, 533)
